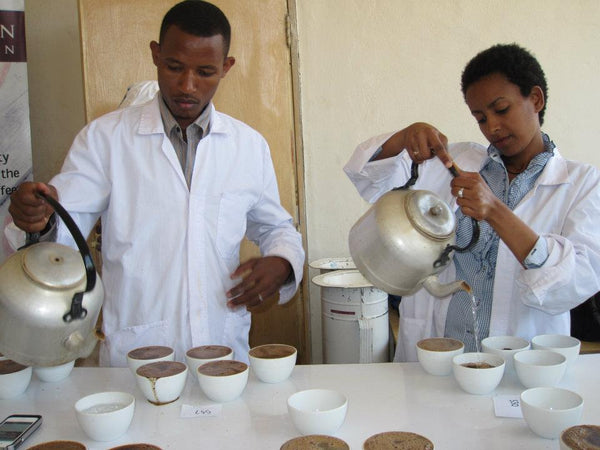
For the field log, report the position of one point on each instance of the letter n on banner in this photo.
(15, 136)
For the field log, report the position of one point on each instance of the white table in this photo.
(382, 397)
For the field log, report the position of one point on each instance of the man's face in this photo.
(189, 69)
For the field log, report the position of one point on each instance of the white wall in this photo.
(373, 66)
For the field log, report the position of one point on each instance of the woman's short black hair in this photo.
(199, 18)
(518, 65)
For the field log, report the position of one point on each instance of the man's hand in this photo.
(261, 278)
(29, 211)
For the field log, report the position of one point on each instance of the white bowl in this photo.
(106, 415)
(435, 354)
(549, 410)
(14, 378)
(505, 346)
(317, 411)
(580, 437)
(161, 382)
(53, 374)
(272, 363)
(478, 380)
(145, 355)
(197, 356)
(560, 343)
(536, 368)
(223, 381)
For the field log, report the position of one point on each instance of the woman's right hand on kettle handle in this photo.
(29, 211)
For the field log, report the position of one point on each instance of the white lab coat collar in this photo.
(151, 121)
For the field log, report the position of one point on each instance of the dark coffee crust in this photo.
(136, 447)
(272, 351)
(315, 442)
(398, 440)
(582, 437)
(8, 366)
(58, 445)
(222, 368)
(161, 369)
(151, 352)
(440, 344)
(209, 351)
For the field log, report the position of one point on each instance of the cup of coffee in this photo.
(161, 382)
(224, 380)
(197, 356)
(505, 346)
(145, 355)
(478, 373)
(14, 378)
(272, 363)
(435, 354)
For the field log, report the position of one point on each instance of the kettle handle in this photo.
(77, 311)
(445, 256)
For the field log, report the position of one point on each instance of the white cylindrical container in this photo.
(328, 264)
(355, 318)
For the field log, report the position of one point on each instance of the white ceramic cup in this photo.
(272, 363)
(505, 346)
(317, 411)
(106, 415)
(560, 343)
(478, 373)
(550, 410)
(197, 356)
(14, 378)
(537, 368)
(149, 354)
(223, 381)
(435, 354)
(161, 382)
(53, 374)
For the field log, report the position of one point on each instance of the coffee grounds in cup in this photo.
(161, 369)
(208, 351)
(9, 366)
(402, 440)
(315, 442)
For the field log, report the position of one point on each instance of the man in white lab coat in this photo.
(177, 186)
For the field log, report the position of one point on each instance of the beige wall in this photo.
(376, 66)
(365, 68)
(55, 81)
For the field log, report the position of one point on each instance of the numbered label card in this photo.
(188, 411)
(508, 406)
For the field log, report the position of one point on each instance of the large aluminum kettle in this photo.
(50, 301)
(405, 239)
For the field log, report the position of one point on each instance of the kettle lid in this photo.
(53, 265)
(429, 214)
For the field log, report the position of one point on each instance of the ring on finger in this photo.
(461, 192)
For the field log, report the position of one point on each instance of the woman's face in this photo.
(508, 120)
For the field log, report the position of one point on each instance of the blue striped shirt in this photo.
(478, 265)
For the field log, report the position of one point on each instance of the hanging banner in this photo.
(15, 136)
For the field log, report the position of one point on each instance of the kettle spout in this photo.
(434, 287)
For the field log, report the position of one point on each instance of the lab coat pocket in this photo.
(231, 226)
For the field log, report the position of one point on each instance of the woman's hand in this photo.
(474, 196)
(422, 142)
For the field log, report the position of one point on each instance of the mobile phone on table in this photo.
(16, 428)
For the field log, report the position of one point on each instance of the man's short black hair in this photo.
(199, 18)
(518, 65)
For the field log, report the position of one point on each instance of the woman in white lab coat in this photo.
(538, 255)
